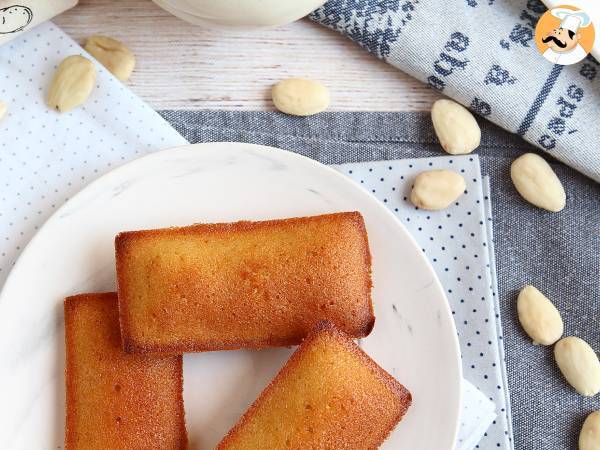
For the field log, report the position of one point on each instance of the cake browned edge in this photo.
(69, 304)
(326, 327)
(131, 345)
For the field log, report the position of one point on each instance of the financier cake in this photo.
(116, 400)
(244, 284)
(329, 395)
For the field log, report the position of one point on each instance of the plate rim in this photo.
(242, 146)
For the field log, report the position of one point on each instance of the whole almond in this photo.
(3, 109)
(300, 97)
(537, 183)
(455, 127)
(436, 189)
(589, 437)
(538, 316)
(112, 54)
(579, 365)
(72, 83)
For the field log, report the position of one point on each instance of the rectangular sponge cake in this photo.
(329, 395)
(115, 400)
(244, 284)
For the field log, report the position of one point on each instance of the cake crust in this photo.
(113, 399)
(356, 406)
(244, 284)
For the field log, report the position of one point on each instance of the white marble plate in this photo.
(414, 336)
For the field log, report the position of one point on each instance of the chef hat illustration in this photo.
(571, 20)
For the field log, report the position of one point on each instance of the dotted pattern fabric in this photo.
(46, 157)
(458, 243)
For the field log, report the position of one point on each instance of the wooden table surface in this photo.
(182, 66)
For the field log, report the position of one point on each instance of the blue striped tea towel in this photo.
(482, 54)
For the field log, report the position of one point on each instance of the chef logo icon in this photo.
(564, 35)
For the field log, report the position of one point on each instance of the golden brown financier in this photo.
(329, 395)
(115, 400)
(244, 284)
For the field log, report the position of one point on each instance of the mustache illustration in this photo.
(561, 44)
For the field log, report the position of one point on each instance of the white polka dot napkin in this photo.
(45, 157)
(458, 243)
(44, 161)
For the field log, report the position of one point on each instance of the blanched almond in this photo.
(537, 183)
(589, 437)
(538, 316)
(436, 189)
(579, 365)
(300, 97)
(455, 127)
(112, 54)
(72, 83)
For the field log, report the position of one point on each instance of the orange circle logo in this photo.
(564, 35)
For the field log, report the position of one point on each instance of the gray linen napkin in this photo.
(482, 53)
(558, 252)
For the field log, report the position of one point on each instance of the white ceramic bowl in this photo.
(242, 14)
